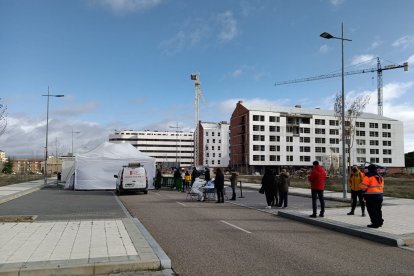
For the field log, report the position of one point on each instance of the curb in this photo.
(349, 229)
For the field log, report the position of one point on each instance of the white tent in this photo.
(95, 169)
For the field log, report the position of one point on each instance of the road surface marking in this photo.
(157, 194)
(232, 225)
(181, 204)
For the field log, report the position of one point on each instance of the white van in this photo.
(132, 178)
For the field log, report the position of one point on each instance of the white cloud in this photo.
(126, 6)
(25, 136)
(358, 60)
(324, 49)
(410, 60)
(228, 25)
(404, 42)
(336, 2)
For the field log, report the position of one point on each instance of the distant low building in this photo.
(168, 147)
(28, 166)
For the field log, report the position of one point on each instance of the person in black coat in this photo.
(207, 177)
(194, 175)
(219, 186)
(268, 183)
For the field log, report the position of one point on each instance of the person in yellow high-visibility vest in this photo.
(354, 181)
(373, 187)
(187, 180)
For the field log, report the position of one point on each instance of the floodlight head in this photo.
(59, 96)
(326, 35)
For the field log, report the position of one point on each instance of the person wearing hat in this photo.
(354, 181)
(373, 187)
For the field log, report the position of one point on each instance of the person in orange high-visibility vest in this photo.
(373, 187)
(354, 181)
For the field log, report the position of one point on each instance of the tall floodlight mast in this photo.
(197, 94)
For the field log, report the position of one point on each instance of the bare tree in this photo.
(353, 110)
(3, 118)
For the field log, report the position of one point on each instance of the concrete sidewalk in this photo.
(398, 228)
(75, 247)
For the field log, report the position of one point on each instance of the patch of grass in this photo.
(17, 218)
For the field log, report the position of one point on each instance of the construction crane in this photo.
(378, 69)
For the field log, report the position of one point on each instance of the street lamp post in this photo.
(47, 127)
(74, 132)
(329, 36)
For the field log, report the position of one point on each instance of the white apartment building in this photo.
(294, 136)
(213, 144)
(3, 157)
(168, 147)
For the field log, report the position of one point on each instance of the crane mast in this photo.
(378, 69)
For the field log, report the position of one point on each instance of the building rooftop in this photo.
(308, 111)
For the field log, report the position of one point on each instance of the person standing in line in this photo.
(354, 181)
(233, 184)
(194, 175)
(373, 187)
(187, 180)
(284, 183)
(268, 183)
(219, 185)
(207, 177)
(317, 179)
(276, 198)
(177, 179)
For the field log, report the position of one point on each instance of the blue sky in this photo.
(126, 64)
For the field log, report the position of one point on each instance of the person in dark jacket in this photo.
(373, 187)
(233, 184)
(194, 175)
(219, 186)
(284, 183)
(317, 179)
(207, 177)
(268, 183)
(177, 179)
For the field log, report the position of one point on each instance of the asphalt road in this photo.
(205, 238)
(52, 203)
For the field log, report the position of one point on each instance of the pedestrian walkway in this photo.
(398, 228)
(75, 247)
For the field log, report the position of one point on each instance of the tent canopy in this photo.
(95, 170)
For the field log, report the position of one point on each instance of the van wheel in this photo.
(145, 192)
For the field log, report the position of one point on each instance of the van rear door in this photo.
(134, 178)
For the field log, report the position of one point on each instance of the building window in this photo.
(207, 154)
(272, 119)
(304, 130)
(320, 149)
(256, 157)
(206, 133)
(319, 122)
(272, 148)
(386, 126)
(289, 158)
(373, 134)
(289, 139)
(214, 140)
(360, 124)
(361, 151)
(374, 160)
(212, 134)
(373, 125)
(218, 134)
(289, 148)
(212, 162)
(386, 143)
(304, 139)
(360, 133)
(319, 140)
(335, 150)
(208, 141)
(334, 131)
(304, 149)
(333, 122)
(374, 151)
(319, 131)
(387, 160)
(272, 128)
(333, 141)
(361, 159)
(218, 147)
(360, 142)
(305, 158)
(212, 147)
(373, 142)
(386, 151)
(386, 134)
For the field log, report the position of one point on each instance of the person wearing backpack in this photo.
(354, 181)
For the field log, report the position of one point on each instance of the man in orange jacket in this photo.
(373, 187)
